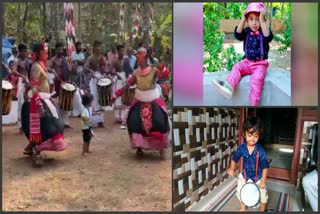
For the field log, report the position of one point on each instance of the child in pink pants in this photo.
(256, 39)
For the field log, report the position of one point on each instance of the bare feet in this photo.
(242, 207)
(263, 207)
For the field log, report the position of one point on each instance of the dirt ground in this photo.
(109, 179)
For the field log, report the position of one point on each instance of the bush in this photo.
(212, 44)
(284, 37)
(230, 57)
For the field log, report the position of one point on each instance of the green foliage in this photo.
(162, 31)
(230, 57)
(284, 37)
(215, 57)
(235, 10)
(212, 37)
(98, 21)
(223, 10)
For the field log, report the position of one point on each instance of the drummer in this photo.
(23, 68)
(60, 65)
(77, 77)
(120, 110)
(253, 130)
(96, 65)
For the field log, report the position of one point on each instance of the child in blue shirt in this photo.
(251, 152)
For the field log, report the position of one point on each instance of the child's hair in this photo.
(11, 63)
(96, 43)
(253, 123)
(87, 99)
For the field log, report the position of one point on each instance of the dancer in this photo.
(147, 121)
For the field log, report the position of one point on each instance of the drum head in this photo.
(68, 86)
(7, 85)
(250, 194)
(104, 82)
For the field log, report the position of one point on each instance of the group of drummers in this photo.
(132, 85)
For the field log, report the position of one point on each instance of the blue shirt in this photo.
(249, 161)
(251, 44)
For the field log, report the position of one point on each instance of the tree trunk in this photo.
(129, 21)
(146, 23)
(25, 17)
(79, 22)
(44, 18)
(3, 11)
(55, 19)
(121, 24)
(18, 24)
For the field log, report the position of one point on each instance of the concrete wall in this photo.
(204, 140)
(276, 90)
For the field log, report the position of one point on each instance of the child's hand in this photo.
(243, 17)
(230, 172)
(262, 186)
(263, 13)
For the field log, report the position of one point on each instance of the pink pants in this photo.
(257, 70)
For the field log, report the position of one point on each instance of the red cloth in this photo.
(119, 92)
(132, 80)
(34, 82)
(35, 131)
(14, 80)
(163, 72)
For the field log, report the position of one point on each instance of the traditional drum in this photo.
(7, 93)
(250, 194)
(66, 96)
(104, 91)
(128, 95)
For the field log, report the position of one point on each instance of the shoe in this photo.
(100, 125)
(122, 127)
(223, 88)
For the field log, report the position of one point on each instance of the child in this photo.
(86, 115)
(251, 152)
(256, 39)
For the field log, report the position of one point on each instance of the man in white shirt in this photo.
(78, 57)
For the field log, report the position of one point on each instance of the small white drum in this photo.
(66, 96)
(104, 90)
(128, 95)
(250, 194)
(7, 93)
